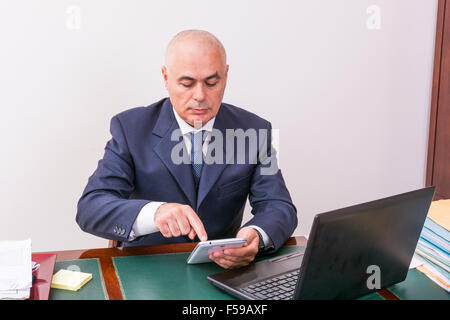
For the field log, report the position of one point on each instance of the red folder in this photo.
(41, 285)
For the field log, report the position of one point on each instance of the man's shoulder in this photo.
(243, 118)
(143, 113)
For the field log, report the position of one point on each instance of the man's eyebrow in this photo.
(215, 75)
(184, 78)
(187, 78)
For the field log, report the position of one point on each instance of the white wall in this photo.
(351, 103)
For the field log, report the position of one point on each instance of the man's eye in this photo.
(211, 84)
(187, 85)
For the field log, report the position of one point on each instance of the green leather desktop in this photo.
(151, 273)
(93, 290)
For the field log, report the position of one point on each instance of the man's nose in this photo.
(199, 92)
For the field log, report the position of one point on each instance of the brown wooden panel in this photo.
(435, 91)
(441, 171)
(438, 164)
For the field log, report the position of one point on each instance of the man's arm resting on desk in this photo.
(105, 209)
(171, 219)
(144, 224)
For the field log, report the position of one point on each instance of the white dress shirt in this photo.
(144, 223)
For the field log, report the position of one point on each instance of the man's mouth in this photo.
(199, 111)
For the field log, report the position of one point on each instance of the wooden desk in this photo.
(105, 256)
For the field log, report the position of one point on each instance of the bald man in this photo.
(141, 194)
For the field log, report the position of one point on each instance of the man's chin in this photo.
(199, 121)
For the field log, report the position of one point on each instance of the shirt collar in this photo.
(187, 128)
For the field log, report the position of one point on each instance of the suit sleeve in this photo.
(105, 208)
(269, 197)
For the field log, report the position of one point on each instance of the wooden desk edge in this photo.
(141, 250)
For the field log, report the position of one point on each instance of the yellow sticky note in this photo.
(70, 280)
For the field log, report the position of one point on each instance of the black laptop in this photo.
(351, 252)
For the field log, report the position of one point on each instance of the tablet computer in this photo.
(201, 252)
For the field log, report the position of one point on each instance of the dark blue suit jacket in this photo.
(137, 169)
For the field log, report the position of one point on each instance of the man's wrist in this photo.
(261, 245)
(144, 223)
(266, 241)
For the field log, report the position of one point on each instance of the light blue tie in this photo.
(197, 154)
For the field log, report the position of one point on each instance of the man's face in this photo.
(195, 77)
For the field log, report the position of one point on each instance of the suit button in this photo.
(115, 229)
(122, 231)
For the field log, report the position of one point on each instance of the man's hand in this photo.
(174, 220)
(238, 257)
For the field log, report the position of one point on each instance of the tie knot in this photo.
(197, 146)
(198, 135)
(197, 140)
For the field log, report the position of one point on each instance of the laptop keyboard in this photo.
(276, 288)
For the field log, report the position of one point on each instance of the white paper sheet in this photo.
(15, 268)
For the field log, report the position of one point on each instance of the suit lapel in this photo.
(182, 173)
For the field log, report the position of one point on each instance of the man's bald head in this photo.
(195, 75)
(187, 39)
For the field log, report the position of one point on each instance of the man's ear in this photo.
(165, 75)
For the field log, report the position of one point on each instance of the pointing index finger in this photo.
(196, 224)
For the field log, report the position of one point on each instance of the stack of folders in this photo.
(433, 248)
(15, 269)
